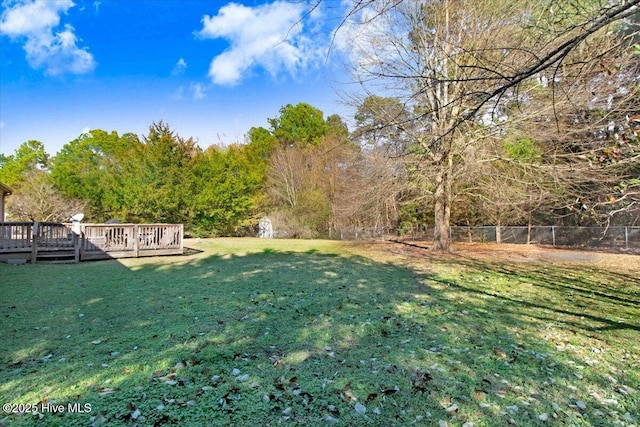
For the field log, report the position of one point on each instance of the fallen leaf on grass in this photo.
(480, 395)
(388, 391)
(135, 414)
(626, 390)
(330, 420)
(98, 420)
(360, 408)
(105, 391)
(178, 366)
(500, 353)
(292, 381)
(347, 394)
(452, 408)
(445, 402)
(420, 379)
(167, 378)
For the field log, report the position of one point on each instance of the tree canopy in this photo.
(299, 125)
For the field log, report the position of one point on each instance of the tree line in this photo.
(491, 113)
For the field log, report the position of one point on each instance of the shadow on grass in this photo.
(294, 338)
(561, 296)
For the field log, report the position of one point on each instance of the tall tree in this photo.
(299, 125)
(29, 157)
(457, 62)
(379, 124)
(156, 180)
(90, 168)
(228, 184)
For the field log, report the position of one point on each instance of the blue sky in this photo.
(210, 69)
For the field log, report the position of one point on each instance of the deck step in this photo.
(58, 261)
(56, 255)
(61, 257)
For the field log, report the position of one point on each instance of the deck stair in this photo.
(57, 257)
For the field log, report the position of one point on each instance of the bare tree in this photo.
(35, 199)
(459, 63)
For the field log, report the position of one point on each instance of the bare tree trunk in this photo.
(443, 198)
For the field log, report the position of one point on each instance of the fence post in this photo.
(626, 238)
(34, 241)
(553, 235)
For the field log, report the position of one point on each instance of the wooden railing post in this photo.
(83, 242)
(76, 248)
(34, 241)
(136, 240)
(181, 238)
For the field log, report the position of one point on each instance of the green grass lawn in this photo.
(274, 332)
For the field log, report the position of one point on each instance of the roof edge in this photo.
(6, 190)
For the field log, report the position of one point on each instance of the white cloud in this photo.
(197, 91)
(178, 95)
(269, 36)
(35, 22)
(179, 68)
(363, 37)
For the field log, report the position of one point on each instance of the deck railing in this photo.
(55, 235)
(16, 236)
(94, 241)
(121, 240)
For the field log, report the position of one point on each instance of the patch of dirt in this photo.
(628, 263)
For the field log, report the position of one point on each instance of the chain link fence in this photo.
(610, 238)
(614, 237)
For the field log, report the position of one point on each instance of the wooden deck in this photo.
(57, 242)
(101, 241)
